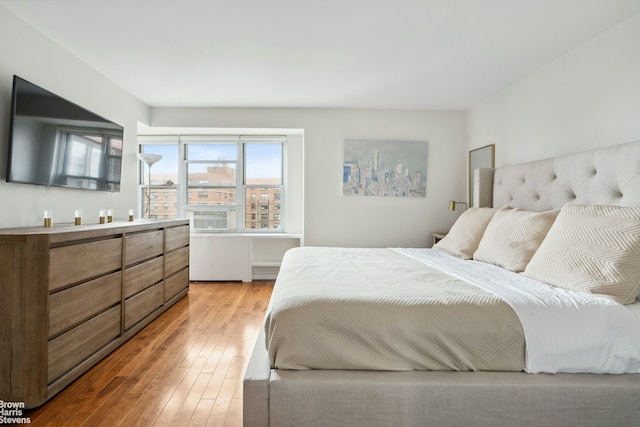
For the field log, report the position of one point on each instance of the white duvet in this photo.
(564, 331)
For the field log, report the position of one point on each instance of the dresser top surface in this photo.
(65, 231)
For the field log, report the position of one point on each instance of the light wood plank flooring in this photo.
(184, 369)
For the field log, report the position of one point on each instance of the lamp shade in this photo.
(149, 158)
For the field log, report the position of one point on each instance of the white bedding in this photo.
(377, 309)
(564, 331)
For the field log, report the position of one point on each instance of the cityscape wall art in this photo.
(385, 168)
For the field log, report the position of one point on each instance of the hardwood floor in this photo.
(184, 369)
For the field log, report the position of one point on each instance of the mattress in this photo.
(377, 309)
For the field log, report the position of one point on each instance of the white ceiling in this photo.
(415, 54)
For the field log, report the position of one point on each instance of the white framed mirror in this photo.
(483, 157)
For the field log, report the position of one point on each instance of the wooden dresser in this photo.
(70, 295)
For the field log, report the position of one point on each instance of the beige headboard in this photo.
(606, 176)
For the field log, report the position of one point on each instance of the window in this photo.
(263, 175)
(240, 178)
(162, 181)
(211, 171)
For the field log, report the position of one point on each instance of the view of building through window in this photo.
(230, 185)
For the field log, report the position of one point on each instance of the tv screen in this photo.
(57, 143)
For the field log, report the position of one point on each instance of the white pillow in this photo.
(513, 236)
(465, 234)
(593, 249)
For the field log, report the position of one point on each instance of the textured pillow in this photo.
(465, 234)
(593, 249)
(513, 236)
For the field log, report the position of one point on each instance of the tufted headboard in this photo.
(605, 176)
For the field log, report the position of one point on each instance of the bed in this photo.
(324, 359)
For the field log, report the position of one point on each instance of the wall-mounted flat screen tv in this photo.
(55, 142)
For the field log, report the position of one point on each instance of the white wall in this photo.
(335, 220)
(586, 99)
(27, 53)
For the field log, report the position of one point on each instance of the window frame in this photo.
(238, 209)
(185, 141)
(258, 200)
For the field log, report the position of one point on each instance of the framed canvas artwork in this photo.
(385, 168)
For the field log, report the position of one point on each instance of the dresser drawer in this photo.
(176, 261)
(71, 348)
(73, 305)
(142, 276)
(176, 237)
(141, 246)
(73, 264)
(174, 284)
(143, 303)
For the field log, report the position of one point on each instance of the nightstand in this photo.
(437, 237)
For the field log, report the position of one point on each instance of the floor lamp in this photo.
(149, 159)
